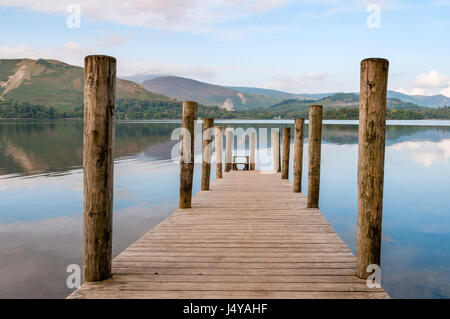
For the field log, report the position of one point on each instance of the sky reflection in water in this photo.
(41, 199)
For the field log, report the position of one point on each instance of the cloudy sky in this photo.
(292, 45)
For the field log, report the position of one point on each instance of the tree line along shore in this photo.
(135, 109)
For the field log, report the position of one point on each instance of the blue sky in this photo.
(296, 46)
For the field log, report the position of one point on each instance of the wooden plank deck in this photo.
(250, 236)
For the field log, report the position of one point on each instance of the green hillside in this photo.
(57, 84)
(338, 100)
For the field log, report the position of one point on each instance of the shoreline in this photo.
(427, 122)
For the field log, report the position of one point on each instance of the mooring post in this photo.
(208, 125)
(228, 148)
(219, 146)
(252, 150)
(298, 154)
(315, 145)
(187, 152)
(276, 151)
(286, 149)
(371, 149)
(98, 165)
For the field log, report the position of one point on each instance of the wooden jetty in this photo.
(248, 234)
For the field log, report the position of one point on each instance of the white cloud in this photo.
(430, 83)
(21, 51)
(127, 67)
(432, 80)
(317, 76)
(308, 81)
(426, 153)
(72, 53)
(181, 15)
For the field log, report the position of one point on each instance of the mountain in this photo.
(141, 78)
(338, 100)
(242, 98)
(208, 94)
(268, 92)
(57, 84)
(420, 100)
(432, 101)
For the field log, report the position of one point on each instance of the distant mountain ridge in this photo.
(60, 85)
(269, 92)
(209, 94)
(57, 84)
(338, 100)
(181, 89)
(421, 100)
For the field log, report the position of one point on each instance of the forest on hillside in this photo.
(134, 109)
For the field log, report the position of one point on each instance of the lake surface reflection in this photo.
(41, 198)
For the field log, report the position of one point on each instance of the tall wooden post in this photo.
(98, 165)
(228, 148)
(372, 129)
(286, 149)
(208, 125)
(315, 145)
(219, 149)
(187, 152)
(252, 150)
(298, 154)
(276, 151)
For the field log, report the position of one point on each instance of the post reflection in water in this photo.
(41, 198)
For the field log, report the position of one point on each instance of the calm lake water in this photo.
(41, 198)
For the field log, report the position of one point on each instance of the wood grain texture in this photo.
(264, 243)
(208, 130)
(276, 151)
(314, 152)
(371, 149)
(187, 153)
(229, 136)
(252, 147)
(286, 151)
(298, 154)
(98, 165)
(219, 150)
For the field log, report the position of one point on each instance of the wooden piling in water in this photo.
(298, 154)
(371, 150)
(187, 153)
(98, 165)
(276, 151)
(208, 125)
(228, 148)
(219, 146)
(252, 150)
(315, 145)
(286, 150)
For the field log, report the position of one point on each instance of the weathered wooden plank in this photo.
(112, 285)
(238, 271)
(237, 278)
(256, 265)
(226, 294)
